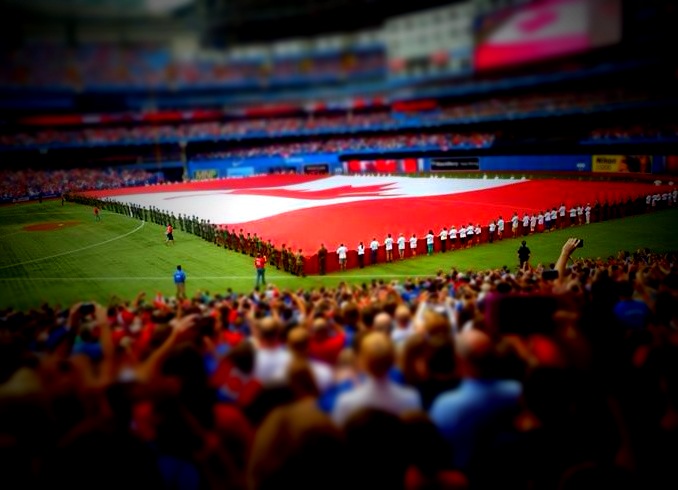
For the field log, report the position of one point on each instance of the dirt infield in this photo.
(51, 225)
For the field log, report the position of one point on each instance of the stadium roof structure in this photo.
(116, 9)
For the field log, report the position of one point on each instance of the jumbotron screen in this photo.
(545, 29)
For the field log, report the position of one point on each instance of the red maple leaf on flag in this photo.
(332, 193)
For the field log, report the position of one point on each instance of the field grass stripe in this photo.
(204, 278)
(69, 252)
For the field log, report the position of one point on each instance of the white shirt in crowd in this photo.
(492, 227)
(526, 220)
(374, 245)
(388, 243)
(270, 364)
(413, 242)
(443, 234)
(378, 394)
(429, 239)
(500, 225)
(361, 249)
(401, 242)
(554, 215)
(341, 252)
(561, 211)
(453, 233)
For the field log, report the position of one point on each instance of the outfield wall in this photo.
(384, 163)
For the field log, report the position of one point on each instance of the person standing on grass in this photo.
(97, 214)
(361, 255)
(401, 246)
(169, 235)
(429, 242)
(374, 248)
(388, 245)
(341, 253)
(413, 245)
(524, 255)
(322, 259)
(260, 266)
(180, 282)
(443, 240)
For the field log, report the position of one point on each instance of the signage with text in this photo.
(450, 164)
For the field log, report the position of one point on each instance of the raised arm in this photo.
(561, 265)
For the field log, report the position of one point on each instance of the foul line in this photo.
(74, 251)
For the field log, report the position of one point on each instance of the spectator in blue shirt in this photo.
(631, 313)
(472, 413)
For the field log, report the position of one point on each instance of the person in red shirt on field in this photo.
(97, 217)
(169, 235)
(260, 265)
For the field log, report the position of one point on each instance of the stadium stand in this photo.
(29, 184)
(204, 391)
(485, 110)
(547, 376)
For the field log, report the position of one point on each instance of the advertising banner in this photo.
(621, 163)
(450, 164)
(207, 173)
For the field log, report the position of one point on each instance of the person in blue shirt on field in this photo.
(180, 282)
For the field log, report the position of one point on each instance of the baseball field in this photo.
(60, 255)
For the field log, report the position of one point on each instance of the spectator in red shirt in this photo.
(327, 341)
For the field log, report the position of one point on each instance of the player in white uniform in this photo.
(341, 253)
(453, 237)
(573, 215)
(401, 246)
(491, 229)
(500, 228)
(587, 213)
(443, 239)
(413, 245)
(374, 249)
(462, 236)
(430, 237)
(388, 245)
(526, 224)
(469, 235)
(561, 215)
(361, 255)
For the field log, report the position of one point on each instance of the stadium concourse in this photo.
(303, 212)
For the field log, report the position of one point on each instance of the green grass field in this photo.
(122, 256)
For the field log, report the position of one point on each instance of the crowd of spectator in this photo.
(634, 133)
(32, 184)
(318, 124)
(411, 141)
(468, 379)
(107, 66)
